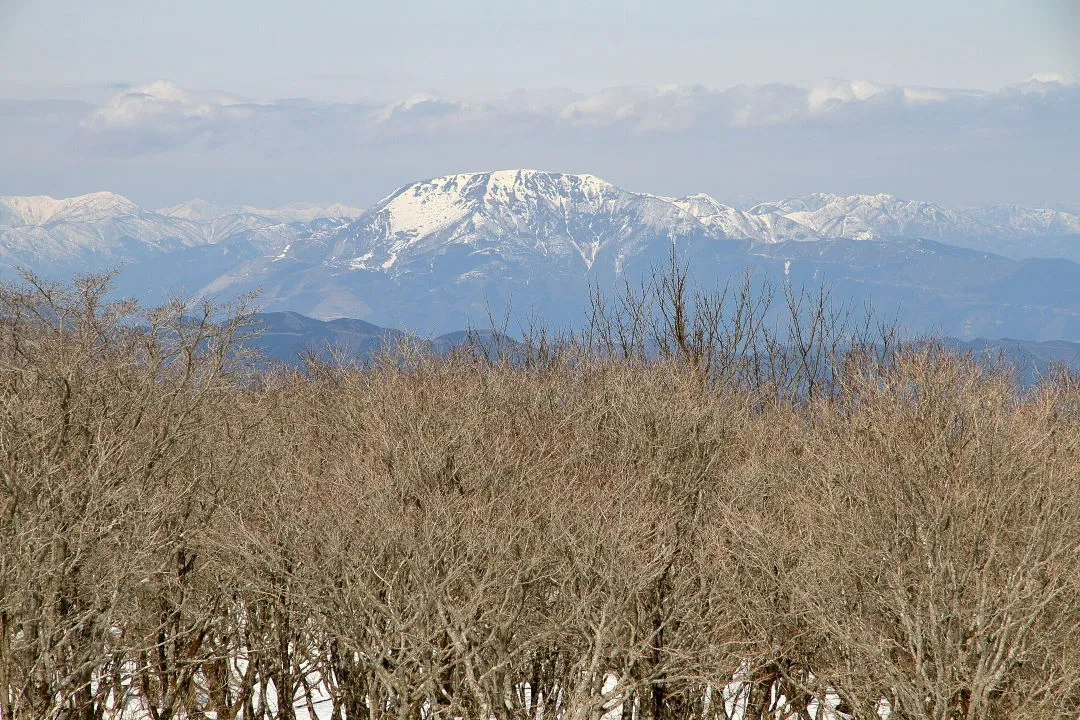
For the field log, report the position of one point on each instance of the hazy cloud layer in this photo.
(160, 143)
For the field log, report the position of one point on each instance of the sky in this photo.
(351, 51)
(276, 100)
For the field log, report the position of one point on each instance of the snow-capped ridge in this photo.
(574, 218)
(428, 206)
(575, 222)
(104, 229)
(203, 211)
(17, 211)
(525, 210)
(742, 224)
(28, 210)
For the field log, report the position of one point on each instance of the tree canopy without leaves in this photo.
(685, 511)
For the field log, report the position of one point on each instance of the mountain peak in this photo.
(16, 210)
(96, 206)
(430, 206)
(40, 209)
(511, 212)
(508, 182)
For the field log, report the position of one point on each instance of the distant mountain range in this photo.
(440, 254)
(103, 229)
(287, 337)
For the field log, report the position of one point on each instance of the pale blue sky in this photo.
(348, 50)
(272, 101)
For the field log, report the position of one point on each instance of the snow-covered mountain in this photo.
(44, 233)
(1019, 222)
(570, 221)
(204, 211)
(483, 239)
(104, 229)
(576, 217)
(863, 217)
(443, 252)
(742, 225)
(44, 210)
(440, 253)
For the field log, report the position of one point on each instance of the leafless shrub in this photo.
(688, 509)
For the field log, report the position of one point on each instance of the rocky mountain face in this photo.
(464, 249)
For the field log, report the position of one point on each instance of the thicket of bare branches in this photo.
(684, 511)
